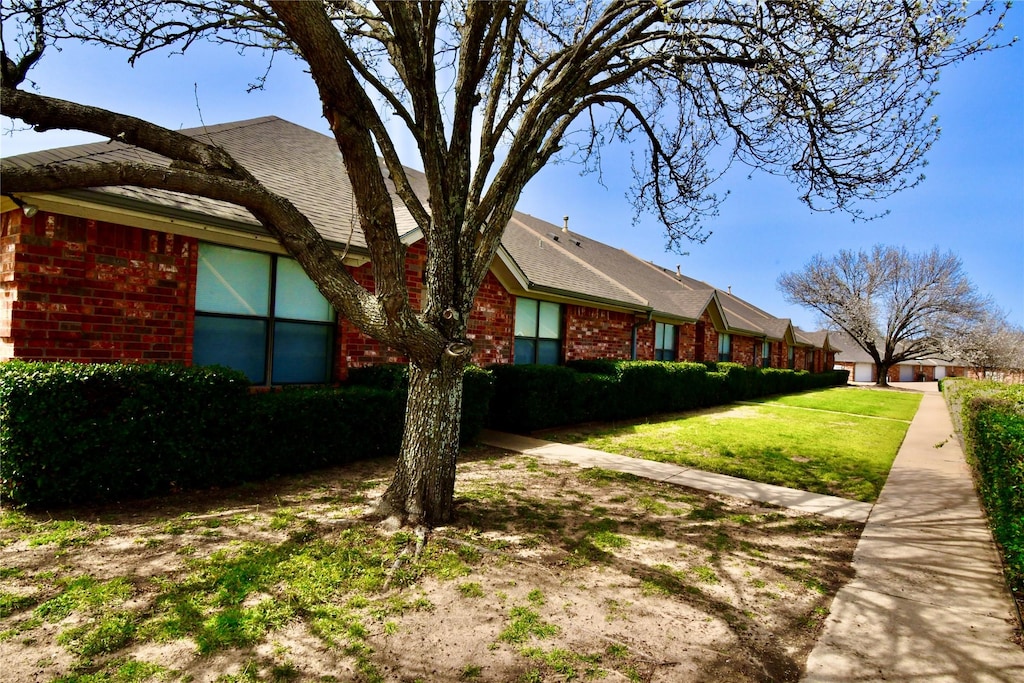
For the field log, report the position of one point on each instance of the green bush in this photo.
(532, 397)
(529, 397)
(72, 432)
(477, 391)
(595, 367)
(990, 418)
(307, 428)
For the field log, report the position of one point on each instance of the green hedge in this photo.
(477, 391)
(308, 428)
(532, 397)
(75, 433)
(990, 418)
(71, 433)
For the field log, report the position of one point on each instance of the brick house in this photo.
(849, 356)
(121, 273)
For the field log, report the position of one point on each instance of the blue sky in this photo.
(971, 202)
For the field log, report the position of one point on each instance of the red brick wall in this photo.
(491, 325)
(743, 349)
(710, 339)
(77, 289)
(353, 348)
(596, 333)
(687, 335)
(644, 339)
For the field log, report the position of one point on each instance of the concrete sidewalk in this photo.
(928, 601)
(829, 506)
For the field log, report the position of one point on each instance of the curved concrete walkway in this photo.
(928, 601)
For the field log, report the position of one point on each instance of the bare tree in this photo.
(896, 305)
(833, 95)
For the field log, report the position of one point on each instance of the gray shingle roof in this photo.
(547, 264)
(306, 167)
(293, 161)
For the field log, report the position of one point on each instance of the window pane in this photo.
(548, 351)
(526, 318)
(232, 281)
(550, 325)
(233, 342)
(302, 353)
(295, 295)
(525, 351)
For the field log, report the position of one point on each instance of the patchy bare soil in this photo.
(551, 573)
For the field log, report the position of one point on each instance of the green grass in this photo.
(896, 405)
(839, 447)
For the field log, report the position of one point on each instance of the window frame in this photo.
(726, 355)
(534, 339)
(766, 354)
(274, 325)
(662, 352)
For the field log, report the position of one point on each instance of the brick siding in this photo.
(78, 289)
(597, 333)
(492, 323)
(87, 290)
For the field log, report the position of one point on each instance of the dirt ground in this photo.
(550, 573)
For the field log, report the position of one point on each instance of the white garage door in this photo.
(940, 372)
(862, 372)
(906, 373)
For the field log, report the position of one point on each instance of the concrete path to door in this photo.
(928, 601)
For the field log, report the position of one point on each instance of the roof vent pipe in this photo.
(565, 224)
(730, 289)
(679, 273)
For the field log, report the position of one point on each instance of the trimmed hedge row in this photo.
(990, 418)
(77, 432)
(477, 392)
(532, 397)
(72, 433)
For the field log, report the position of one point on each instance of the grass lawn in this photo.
(897, 405)
(839, 442)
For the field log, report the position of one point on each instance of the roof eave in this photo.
(105, 206)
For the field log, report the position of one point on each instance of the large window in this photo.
(724, 347)
(538, 332)
(664, 341)
(261, 314)
(792, 358)
(766, 354)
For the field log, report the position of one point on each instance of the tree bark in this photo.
(422, 489)
(883, 375)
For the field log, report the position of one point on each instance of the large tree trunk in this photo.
(883, 375)
(422, 489)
